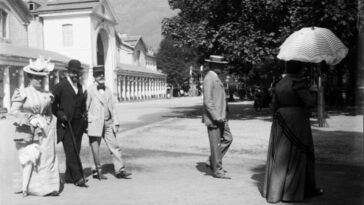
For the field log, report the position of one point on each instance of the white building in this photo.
(85, 30)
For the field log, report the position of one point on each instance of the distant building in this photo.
(16, 50)
(85, 30)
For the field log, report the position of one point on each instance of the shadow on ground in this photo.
(237, 111)
(203, 168)
(343, 184)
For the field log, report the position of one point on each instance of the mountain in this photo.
(142, 17)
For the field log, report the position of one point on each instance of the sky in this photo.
(142, 17)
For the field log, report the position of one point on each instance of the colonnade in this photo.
(132, 88)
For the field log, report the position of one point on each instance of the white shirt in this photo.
(73, 86)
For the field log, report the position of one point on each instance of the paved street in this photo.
(165, 146)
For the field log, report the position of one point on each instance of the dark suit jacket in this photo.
(64, 104)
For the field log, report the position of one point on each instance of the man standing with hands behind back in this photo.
(69, 107)
(214, 117)
(103, 123)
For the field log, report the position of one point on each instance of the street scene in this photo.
(181, 102)
(166, 145)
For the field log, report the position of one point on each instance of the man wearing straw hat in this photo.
(214, 116)
(103, 123)
(70, 108)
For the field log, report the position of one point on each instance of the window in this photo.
(3, 23)
(31, 7)
(67, 32)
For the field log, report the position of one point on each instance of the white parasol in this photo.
(314, 45)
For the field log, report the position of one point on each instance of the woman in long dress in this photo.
(290, 174)
(35, 137)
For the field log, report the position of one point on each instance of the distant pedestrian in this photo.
(290, 170)
(70, 108)
(215, 115)
(103, 123)
(258, 99)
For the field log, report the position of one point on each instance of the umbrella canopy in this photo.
(313, 44)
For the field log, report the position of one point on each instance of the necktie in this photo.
(101, 86)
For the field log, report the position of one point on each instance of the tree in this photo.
(249, 32)
(175, 61)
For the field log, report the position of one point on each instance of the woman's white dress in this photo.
(40, 152)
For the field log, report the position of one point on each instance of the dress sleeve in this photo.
(17, 101)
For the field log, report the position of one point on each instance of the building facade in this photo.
(15, 50)
(85, 30)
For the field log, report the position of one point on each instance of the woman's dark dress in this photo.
(290, 162)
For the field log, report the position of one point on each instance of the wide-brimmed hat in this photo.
(216, 59)
(39, 67)
(98, 69)
(74, 65)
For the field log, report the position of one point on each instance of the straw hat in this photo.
(216, 59)
(39, 67)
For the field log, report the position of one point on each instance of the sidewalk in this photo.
(167, 160)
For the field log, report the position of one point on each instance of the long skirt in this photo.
(290, 162)
(39, 163)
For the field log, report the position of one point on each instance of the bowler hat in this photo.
(74, 65)
(216, 59)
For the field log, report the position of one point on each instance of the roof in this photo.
(21, 9)
(9, 55)
(137, 69)
(66, 5)
(130, 40)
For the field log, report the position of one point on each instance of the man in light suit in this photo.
(214, 116)
(103, 123)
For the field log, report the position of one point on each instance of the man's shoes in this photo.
(221, 176)
(123, 174)
(81, 183)
(96, 175)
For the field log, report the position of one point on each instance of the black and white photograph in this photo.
(176, 102)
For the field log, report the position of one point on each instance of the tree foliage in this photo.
(252, 30)
(175, 62)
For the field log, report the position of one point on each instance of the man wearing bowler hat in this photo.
(70, 109)
(103, 124)
(214, 115)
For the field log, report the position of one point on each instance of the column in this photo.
(123, 85)
(127, 89)
(21, 79)
(46, 83)
(131, 88)
(118, 85)
(6, 81)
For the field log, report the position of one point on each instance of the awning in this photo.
(138, 71)
(19, 56)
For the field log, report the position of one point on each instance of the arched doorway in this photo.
(100, 56)
(101, 47)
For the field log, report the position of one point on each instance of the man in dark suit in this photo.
(70, 108)
(214, 116)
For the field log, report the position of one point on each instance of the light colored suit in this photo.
(214, 96)
(215, 108)
(95, 105)
(98, 127)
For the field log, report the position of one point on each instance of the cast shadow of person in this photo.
(204, 168)
(258, 177)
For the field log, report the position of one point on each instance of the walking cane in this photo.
(74, 146)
